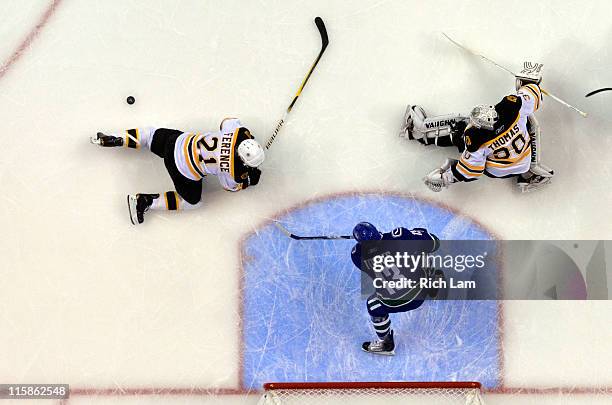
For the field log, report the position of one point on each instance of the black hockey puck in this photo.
(130, 100)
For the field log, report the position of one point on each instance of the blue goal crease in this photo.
(305, 320)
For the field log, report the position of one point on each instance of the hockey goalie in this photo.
(498, 141)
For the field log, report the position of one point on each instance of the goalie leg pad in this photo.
(437, 130)
(536, 167)
(413, 120)
(533, 127)
(531, 181)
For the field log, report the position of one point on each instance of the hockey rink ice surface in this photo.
(203, 307)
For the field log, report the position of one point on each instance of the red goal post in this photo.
(361, 393)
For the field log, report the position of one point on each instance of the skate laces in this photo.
(149, 204)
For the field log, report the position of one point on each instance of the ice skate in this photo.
(384, 347)
(106, 140)
(139, 204)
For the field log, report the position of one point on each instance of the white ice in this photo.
(89, 300)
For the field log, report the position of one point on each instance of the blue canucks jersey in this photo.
(425, 243)
(400, 233)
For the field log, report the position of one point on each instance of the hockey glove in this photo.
(440, 178)
(254, 175)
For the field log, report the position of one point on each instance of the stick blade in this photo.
(284, 230)
(323, 31)
(598, 91)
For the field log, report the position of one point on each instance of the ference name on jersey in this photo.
(225, 153)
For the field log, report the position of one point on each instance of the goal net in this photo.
(372, 393)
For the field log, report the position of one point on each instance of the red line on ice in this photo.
(29, 39)
(161, 391)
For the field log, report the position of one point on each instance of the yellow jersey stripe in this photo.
(469, 166)
(232, 153)
(187, 159)
(470, 170)
(467, 174)
(539, 93)
(536, 100)
(536, 89)
(196, 154)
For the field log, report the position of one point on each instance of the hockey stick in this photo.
(297, 237)
(557, 99)
(598, 91)
(324, 42)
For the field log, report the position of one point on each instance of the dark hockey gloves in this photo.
(254, 175)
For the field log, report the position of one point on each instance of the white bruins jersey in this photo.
(506, 150)
(198, 155)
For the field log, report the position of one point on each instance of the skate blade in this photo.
(131, 201)
(391, 353)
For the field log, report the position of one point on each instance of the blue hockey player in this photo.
(385, 301)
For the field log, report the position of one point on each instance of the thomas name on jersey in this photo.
(501, 141)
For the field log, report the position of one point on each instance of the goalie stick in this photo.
(557, 99)
(321, 237)
(324, 42)
(598, 91)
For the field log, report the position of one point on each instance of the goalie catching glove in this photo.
(441, 177)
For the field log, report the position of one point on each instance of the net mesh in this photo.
(374, 396)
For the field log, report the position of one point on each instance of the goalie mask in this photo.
(483, 116)
(251, 153)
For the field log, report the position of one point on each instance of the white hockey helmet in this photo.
(483, 116)
(531, 72)
(251, 152)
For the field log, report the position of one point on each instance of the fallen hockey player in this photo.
(498, 141)
(231, 154)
